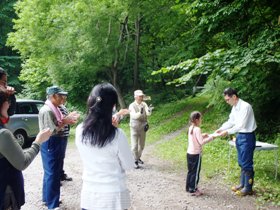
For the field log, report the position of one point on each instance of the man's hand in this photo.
(223, 133)
(151, 107)
(71, 118)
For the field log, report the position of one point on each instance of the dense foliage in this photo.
(213, 44)
(235, 43)
(9, 60)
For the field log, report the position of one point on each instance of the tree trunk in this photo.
(114, 68)
(136, 50)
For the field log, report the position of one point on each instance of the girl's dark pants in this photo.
(194, 165)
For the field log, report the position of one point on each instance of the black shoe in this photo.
(136, 165)
(140, 161)
(45, 203)
(66, 178)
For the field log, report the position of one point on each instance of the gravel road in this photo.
(155, 186)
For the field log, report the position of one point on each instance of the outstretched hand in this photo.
(123, 112)
(151, 107)
(43, 136)
(205, 135)
(219, 133)
(115, 121)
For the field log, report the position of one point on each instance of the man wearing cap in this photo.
(52, 150)
(139, 111)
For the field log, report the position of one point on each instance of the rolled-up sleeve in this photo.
(46, 120)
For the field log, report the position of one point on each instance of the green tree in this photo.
(9, 60)
(80, 43)
(74, 44)
(237, 42)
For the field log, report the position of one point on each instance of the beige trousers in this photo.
(138, 137)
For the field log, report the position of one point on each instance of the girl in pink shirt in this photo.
(195, 141)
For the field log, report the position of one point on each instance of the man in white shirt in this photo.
(139, 111)
(241, 121)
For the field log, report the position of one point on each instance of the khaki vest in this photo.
(141, 121)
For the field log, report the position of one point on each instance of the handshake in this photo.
(217, 133)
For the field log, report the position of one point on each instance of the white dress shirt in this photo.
(241, 119)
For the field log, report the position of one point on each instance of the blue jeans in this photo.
(245, 145)
(52, 156)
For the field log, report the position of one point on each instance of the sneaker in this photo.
(243, 192)
(65, 177)
(136, 165)
(140, 161)
(237, 188)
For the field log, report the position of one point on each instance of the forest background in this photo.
(168, 48)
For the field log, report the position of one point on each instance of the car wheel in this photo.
(21, 137)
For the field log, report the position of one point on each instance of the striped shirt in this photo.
(66, 129)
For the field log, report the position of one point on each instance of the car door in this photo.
(28, 116)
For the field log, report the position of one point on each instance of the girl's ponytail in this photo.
(195, 115)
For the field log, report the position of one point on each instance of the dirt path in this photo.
(155, 186)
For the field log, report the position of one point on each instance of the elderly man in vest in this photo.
(52, 151)
(139, 111)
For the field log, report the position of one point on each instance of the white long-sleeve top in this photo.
(196, 140)
(241, 119)
(104, 168)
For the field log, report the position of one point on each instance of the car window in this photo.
(37, 107)
(25, 108)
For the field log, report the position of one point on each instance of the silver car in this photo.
(24, 123)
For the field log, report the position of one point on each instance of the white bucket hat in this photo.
(138, 93)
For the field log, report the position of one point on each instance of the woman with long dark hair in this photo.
(105, 153)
